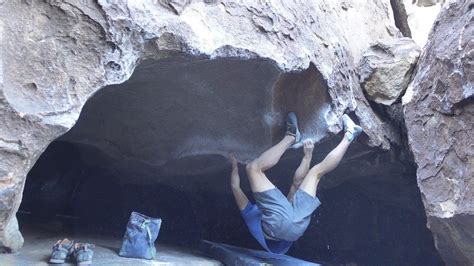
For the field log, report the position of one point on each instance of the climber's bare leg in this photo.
(255, 169)
(310, 182)
(240, 198)
(303, 168)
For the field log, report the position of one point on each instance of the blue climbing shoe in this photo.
(83, 253)
(61, 251)
(292, 128)
(351, 128)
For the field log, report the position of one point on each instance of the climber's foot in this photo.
(352, 130)
(292, 129)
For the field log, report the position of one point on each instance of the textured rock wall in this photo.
(439, 115)
(385, 69)
(56, 54)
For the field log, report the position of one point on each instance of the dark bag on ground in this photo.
(140, 236)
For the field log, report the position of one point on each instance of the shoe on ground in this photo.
(351, 128)
(83, 253)
(292, 127)
(61, 251)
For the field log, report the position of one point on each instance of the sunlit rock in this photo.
(386, 67)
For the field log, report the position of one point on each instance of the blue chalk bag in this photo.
(140, 236)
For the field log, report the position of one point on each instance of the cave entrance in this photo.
(157, 144)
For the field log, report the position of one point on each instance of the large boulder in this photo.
(57, 54)
(439, 116)
(11, 239)
(386, 67)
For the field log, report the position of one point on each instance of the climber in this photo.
(276, 221)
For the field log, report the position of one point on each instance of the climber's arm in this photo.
(240, 198)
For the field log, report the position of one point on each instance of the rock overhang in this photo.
(182, 107)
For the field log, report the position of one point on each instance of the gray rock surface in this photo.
(11, 238)
(439, 116)
(427, 3)
(57, 54)
(386, 67)
(401, 17)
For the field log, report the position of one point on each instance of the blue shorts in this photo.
(283, 219)
(253, 218)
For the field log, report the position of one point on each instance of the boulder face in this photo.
(439, 116)
(57, 54)
(386, 67)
